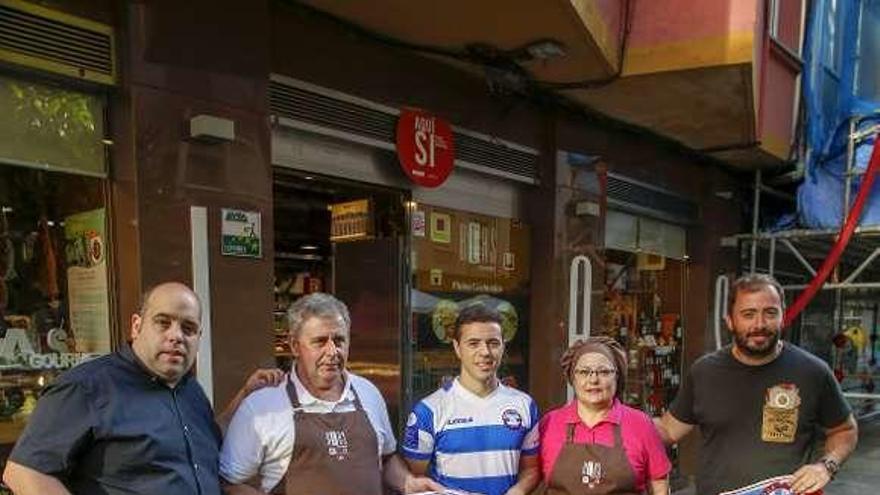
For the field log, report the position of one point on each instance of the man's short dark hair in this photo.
(475, 313)
(753, 283)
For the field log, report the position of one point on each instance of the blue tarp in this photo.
(828, 95)
(820, 198)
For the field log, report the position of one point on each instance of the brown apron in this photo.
(334, 453)
(591, 469)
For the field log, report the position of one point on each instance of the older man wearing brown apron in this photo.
(325, 431)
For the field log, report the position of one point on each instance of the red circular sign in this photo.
(424, 147)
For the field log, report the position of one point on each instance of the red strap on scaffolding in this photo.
(843, 238)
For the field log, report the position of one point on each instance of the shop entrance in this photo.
(646, 280)
(348, 239)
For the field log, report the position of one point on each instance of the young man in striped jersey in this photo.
(476, 434)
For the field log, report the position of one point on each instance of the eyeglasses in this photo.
(603, 373)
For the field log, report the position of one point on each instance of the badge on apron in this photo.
(592, 473)
(781, 406)
(337, 445)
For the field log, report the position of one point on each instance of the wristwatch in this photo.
(831, 465)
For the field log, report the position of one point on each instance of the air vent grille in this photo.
(628, 194)
(313, 107)
(43, 39)
(496, 156)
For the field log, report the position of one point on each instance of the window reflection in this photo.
(50, 126)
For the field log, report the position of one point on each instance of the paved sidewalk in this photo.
(861, 473)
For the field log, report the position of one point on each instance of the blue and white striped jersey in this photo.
(473, 443)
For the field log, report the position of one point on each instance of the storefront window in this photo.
(54, 296)
(54, 308)
(461, 259)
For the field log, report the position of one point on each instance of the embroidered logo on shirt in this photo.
(592, 473)
(512, 419)
(337, 444)
(780, 419)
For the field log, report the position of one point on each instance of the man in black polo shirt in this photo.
(761, 403)
(134, 421)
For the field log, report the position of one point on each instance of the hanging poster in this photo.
(86, 256)
(418, 223)
(241, 234)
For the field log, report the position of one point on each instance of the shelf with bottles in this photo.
(654, 356)
(292, 281)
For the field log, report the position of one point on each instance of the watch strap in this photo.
(831, 465)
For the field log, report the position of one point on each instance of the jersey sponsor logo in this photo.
(592, 473)
(460, 421)
(780, 416)
(512, 419)
(337, 444)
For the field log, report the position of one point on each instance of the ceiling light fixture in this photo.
(308, 247)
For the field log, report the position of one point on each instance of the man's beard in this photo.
(742, 343)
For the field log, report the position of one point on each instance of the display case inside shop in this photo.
(643, 308)
(295, 276)
(344, 238)
(460, 259)
(54, 296)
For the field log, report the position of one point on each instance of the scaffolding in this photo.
(793, 257)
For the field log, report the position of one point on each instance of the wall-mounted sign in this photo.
(351, 221)
(418, 223)
(424, 147)
(240, 233)
(441, 228)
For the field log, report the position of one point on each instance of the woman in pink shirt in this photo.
(595, 444)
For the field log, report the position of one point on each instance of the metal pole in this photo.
(873, 360)
(861, 268)
(850, 158)
(832, 286)
(771, 266)
(847, 186)
(859, 395)
(797, 254)
(755, 217)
